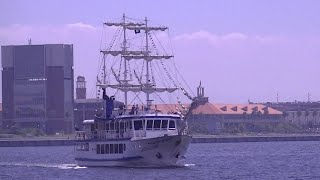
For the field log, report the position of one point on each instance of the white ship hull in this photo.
(153, 152)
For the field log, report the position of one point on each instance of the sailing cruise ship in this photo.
(126, 133)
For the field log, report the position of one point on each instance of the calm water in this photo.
(270, 160)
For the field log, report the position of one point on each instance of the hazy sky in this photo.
(240, 50)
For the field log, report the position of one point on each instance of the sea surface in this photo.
(259, 160)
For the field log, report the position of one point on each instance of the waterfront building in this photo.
(37, 87)
(306, 114)
(212, 118)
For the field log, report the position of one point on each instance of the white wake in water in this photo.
(44, 165)
(71, 166)
(188, 165)
(63, 166)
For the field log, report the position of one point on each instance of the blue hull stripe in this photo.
(102, 140)
(138, 118)
(118, 159)
(149, 117)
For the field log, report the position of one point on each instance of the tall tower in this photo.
(200, 95)
(81, 89)
(200, 91)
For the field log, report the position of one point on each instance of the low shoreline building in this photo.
(301, 113)
(212, 118)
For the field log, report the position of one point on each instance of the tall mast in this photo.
(104, 69)
(125, 61)
(147, 63)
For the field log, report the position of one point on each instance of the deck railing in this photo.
(104, 134)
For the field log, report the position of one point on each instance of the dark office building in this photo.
(37, 87)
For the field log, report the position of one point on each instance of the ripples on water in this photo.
(269, 160)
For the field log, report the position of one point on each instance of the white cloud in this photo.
(19, 34)
(224, 39)
(82, 26)
(234, 36)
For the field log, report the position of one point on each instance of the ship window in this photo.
(121, 125)
(129, 124)
(126, 125)
(86, 146)
(164, 124)
(117, 126)
(157, 124)
(124, 147)
(111, 149)
(138, 125)
(107, 126)
(93, 127)
(102, 149)
(107, 149)
(112, 126)
(149, 124)
(172, 125)
(116, 150)
(98, 149)
(120, 148)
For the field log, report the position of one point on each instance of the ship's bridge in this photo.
(136, 126)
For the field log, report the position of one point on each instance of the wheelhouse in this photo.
(130, 127)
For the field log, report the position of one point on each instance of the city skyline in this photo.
(239, 50)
